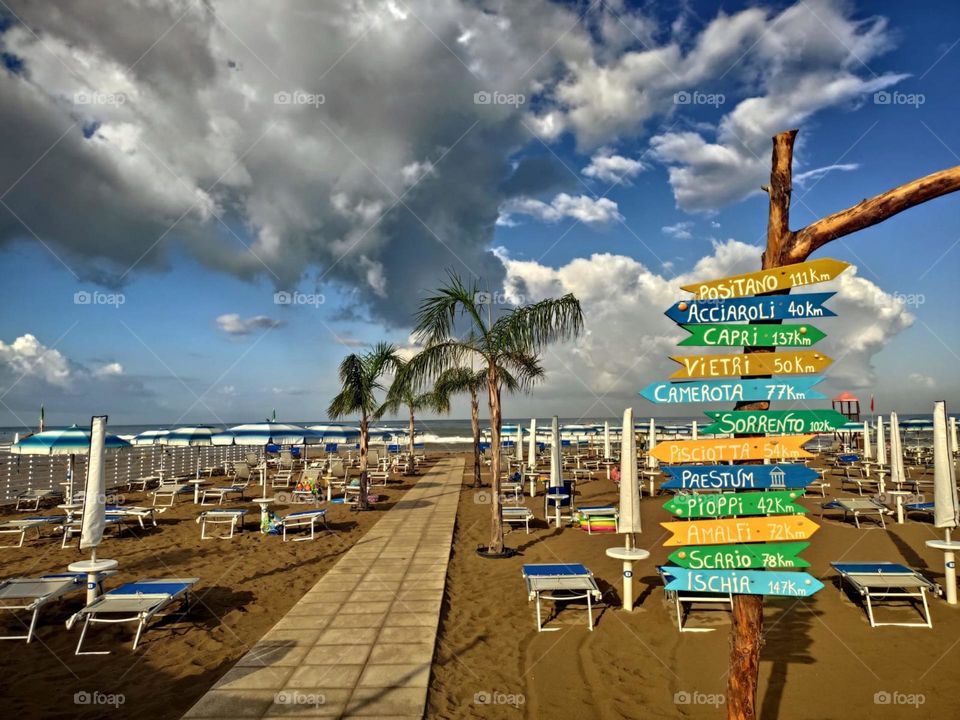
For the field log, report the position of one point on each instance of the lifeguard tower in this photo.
(848, 405)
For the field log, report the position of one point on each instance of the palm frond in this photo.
(532, 327)
(437, 315)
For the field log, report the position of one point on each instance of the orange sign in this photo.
(766, 281)
(798, 362)
(781, 447)
(740, 530)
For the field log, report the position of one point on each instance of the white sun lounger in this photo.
(219, 493)
(32, 594)
(171, 490)
(679, 598)
(858, 507)
(29, 500)
(135, 602)
(883, 580)
(22, 526)
(226, 516)
(556, 581)
(517, 514)
(74, 526)
(137, 512)
(304, 518)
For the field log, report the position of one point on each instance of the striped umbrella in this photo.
(264, 433)
(69, 441)
(191, 436)
(153, 437)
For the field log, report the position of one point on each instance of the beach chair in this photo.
(171, 490)
(304, 518)
(689, 598)
(517, 514)
(919, 507)
(884, 580)
(590, 514)
(309, 487)
(560, 582)
(74, 525)
(141, 484)
(233, 517)
(858, 507)
(282, 479)
(238, 487)
(137, 602)
(33, 594)
(23, 525)
(29, 500)
(140, 514)
(337, 475)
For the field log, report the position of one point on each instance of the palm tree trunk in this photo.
(362, 503)
(475, 425)
(496, 520)
(411, 468)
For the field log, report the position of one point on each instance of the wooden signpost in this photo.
(777, 422)
(732, 449)
(738, 477)
(743, 557)
(751, 309)
(728, 335)
(740, 530)
(779, 502)
(768, 281)
(729, 391)
(744, 582)
(797, 362)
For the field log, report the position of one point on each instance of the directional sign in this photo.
(779, 502)
(739, 530)
(731, 449)
(777, 422)
(734, 557)
(731, 391)
(743, 582)
(795, 362)
(751, 309)
(738, 477)
(726, 335)
(766, 281)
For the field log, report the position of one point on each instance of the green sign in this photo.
(773, 422)
(734, 557)
(712, 335)
(780, 502)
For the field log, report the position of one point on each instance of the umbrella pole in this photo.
(950, 571)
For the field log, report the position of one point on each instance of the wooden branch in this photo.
(868, 212)
(780, 189)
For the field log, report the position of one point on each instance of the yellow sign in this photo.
(797, 362)
(740, 530)
(782, 447)
(766, 281)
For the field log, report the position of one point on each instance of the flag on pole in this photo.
(41, 417)
(871, 404)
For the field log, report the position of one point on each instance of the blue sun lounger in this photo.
(135, 602)
(679, 598)
(21, 526)
(555, 581)
(32, 594)
(884, 580)
(921, 507)
(303, 518)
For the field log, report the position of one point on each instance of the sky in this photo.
(205, 206)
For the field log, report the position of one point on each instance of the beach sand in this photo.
(246, 585)
(820, 659)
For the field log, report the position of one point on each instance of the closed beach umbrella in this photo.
(946, 509)
(629, 482)
(953, 434)
(519, 444)
(532, 445)
(881, 442)
(694, 431)
(556, 463)
(606, 441)
(651, 444)
(898, 474)
(867, 450)
(94, 518)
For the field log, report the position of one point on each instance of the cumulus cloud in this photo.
(627, 339)
(233, 324)
(921, 380)
(678, 231)
(612, 168)
(109, 369)
(26, 356)
(581, 207)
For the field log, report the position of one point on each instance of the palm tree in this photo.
(403, 394)
(359, 382)
(467, 380)
(513, 342)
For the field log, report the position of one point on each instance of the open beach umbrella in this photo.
(651, 444)
(532, 445)
(898, 474)
(69, 441)
(265, 433)
(556, 463)
(867, 450)
(881, 443)
(152, 437)
(946, 509)
(606, 440)
(192, 436)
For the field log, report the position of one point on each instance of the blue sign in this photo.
(751, 309)
(731, 391)
(738, 477)
(743, 582)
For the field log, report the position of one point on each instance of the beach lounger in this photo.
(592, 513)
(233, 517)
(304, 518)
(884, 580)
(141, 484)
(679, 598)
(171, 490)
(517, 514)
(920, 507)
(74, 526)
(858, 507)
(309, 486)
(32, 594)
(560, 582)
(22, 526)
(137, 602)
(221, 492)
(29, 500)
(137, 512)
